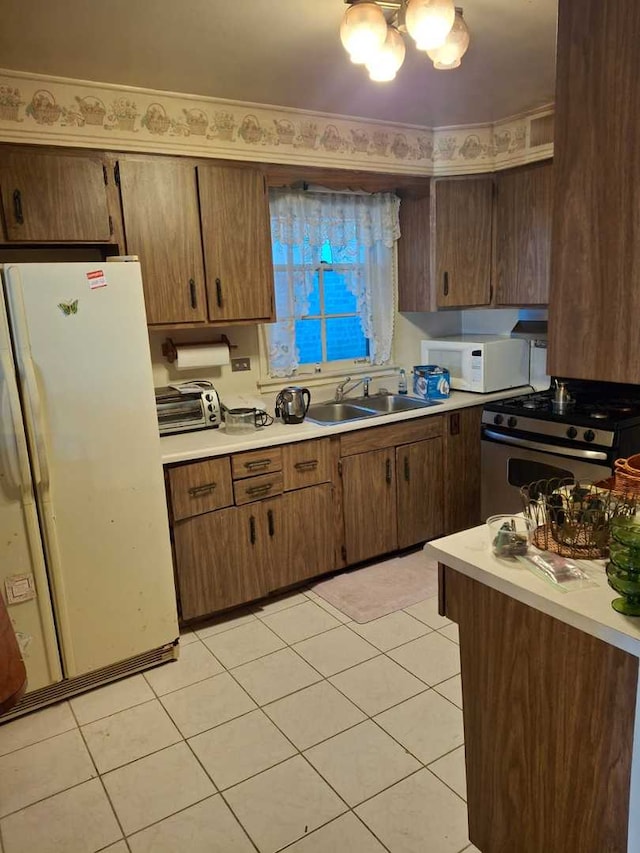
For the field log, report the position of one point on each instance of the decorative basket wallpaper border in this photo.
(58, 111)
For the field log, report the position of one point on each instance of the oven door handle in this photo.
(544, 448)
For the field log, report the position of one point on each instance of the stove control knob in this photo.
(512, 422)
(589, 435)
(498, 420)
(572, 432)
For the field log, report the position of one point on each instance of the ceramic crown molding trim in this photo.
(45, 110)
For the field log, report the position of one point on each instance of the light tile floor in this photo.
(285, 726)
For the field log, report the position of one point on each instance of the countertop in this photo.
(214, 442)
(589, 610)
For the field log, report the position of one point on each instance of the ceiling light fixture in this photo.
(374, 39)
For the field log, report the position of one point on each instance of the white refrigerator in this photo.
(85, 556)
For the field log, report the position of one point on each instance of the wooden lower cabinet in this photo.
(220, 559)
(302, 532)
(548, 720)
(461, 492)
(419, 470)
(369, 495)
(235, 555)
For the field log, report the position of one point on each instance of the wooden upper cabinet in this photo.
(236, 235)
(414, 255)
(463, 234)
(595, 299)
(524, 205)
(162, 227)
(54, 198)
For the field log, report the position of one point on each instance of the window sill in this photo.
(313, 380)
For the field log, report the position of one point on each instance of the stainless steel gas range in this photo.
(532, 437)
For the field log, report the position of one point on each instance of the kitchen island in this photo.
(551, 705)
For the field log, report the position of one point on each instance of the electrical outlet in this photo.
(240, 364)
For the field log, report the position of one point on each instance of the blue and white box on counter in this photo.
(431, 382)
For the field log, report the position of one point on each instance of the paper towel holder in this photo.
(170, 353)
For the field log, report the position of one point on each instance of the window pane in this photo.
(282, 294)
(314, 296)
(279, 253)
(309, 341)
(345, 339)
(326, 254)
(337, 299)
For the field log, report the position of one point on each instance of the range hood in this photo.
(530, 330)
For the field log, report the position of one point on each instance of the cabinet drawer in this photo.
(390, 436)
(200, 487)
(256, 462)
(306, 464)
(256, 488)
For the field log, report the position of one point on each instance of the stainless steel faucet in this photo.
(341, 390)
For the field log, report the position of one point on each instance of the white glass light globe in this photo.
(449, 54)
(429, 21)
(363, 31)
(385, 63)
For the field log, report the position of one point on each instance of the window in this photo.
(329, 326)
(334, 280)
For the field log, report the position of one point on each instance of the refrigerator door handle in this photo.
(20, 462)
(30, 384)
(34, 404)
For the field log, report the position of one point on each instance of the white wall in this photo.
(409, 330)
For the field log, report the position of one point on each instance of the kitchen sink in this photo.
(390, 403)
(357, 408)
(332, 412)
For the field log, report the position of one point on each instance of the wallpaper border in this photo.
(44, 110)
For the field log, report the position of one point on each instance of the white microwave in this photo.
(480, 363)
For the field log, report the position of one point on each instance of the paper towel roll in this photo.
(194, 356)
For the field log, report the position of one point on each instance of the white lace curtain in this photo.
(361, 231)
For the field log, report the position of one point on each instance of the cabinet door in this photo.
(463, 214)
(524, 204)
(414, 256)
(236, 235)
(419, 470)
(595, 299)
(162, 227)
(462, 469)
(369, 496)
(301, 527)
(54, 198)
(220, 559)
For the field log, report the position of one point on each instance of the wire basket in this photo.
(573, 517)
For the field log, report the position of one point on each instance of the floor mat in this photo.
(382, 588)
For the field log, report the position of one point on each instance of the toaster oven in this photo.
(185, 407)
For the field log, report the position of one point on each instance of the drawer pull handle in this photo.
(204, 489)
(309, 465)
(219, 293)
(252, 530)
(407, 470)
(260, 490)
(259, 463)
(388, 475)
(445, 285)
(272, 529)
(192, 293)
(17, 207)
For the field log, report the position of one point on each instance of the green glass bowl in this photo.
(625, 557)
(627, 584)
(626, 531)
